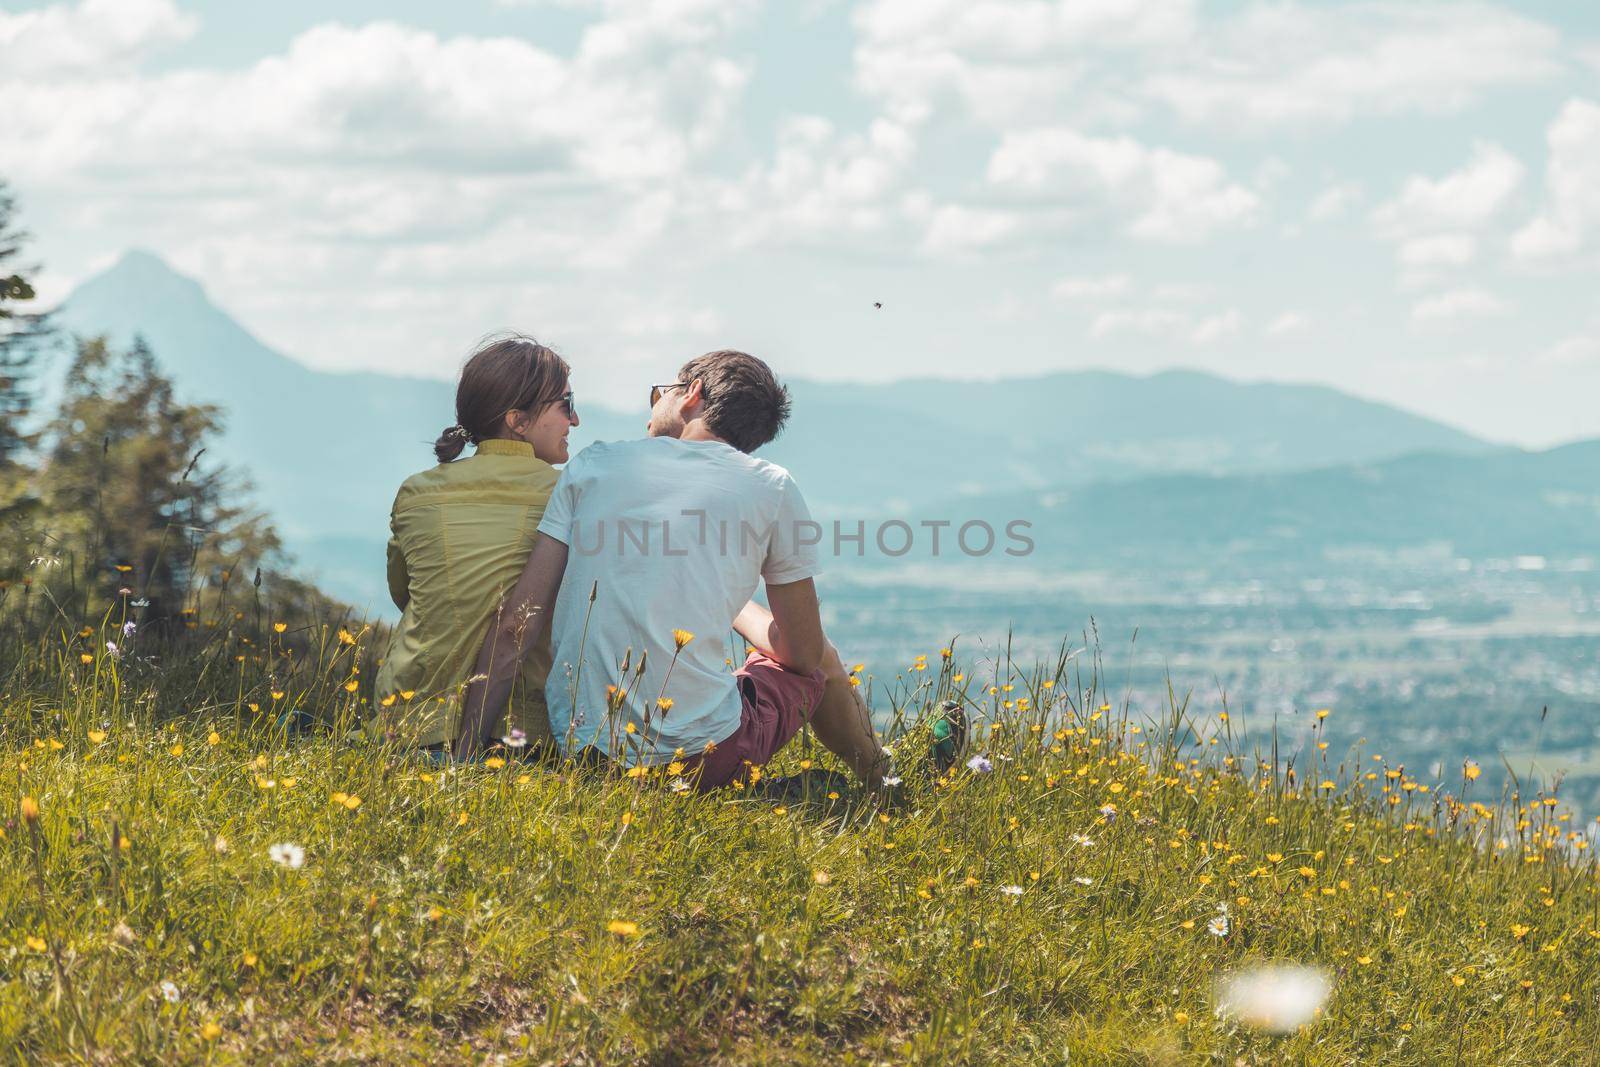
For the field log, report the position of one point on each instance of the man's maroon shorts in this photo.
(777, 702)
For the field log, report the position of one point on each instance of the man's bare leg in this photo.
(841, 719)
(844, 725)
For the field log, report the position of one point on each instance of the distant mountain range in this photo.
(1503, 503)
(327, 450)
(901, 446)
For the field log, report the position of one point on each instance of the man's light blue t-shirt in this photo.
(670, 536)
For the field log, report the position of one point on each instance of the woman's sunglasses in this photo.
(567, 404)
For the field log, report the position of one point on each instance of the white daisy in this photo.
(287, 855)
(1011, 890)
(169, 992)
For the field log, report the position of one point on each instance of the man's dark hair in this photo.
(744, 404)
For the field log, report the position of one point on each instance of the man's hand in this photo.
(523, 616)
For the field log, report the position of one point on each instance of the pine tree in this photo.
(23, 331)
(128, 486)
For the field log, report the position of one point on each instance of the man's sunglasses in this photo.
(657, 390)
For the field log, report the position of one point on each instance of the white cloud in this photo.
(1003, 60)
(1164, 195)
(1438, 250)
(1571, 215)
(1466, 199)
(1265, 67)
(1574, 351)
(1168, 325)
(368, 187)
(1287, 64)
(1218, 328)
(1104, 287)
(953, 228)
(1150, 322)
(92, 38)
(1271, 173)
(661, 322)
(821, 183)
(390, 95)
(1288, 324)
(1458, 304)
(1183, 292)
(1334, 201)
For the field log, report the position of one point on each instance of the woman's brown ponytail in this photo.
(506, 373)
(450, 443)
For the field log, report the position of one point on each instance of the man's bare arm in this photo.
(794, 636)
(524, 615)
(754, 624)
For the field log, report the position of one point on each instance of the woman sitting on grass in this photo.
(461, 534)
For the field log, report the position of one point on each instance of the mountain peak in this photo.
(201, 347)
(147, 273)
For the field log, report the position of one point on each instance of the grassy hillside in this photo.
(1078, 900)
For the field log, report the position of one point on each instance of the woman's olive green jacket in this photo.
(460, 536)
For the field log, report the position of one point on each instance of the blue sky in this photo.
(1401, 199)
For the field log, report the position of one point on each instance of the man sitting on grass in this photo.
(649, 551)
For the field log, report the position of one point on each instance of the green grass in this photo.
(554, 915)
